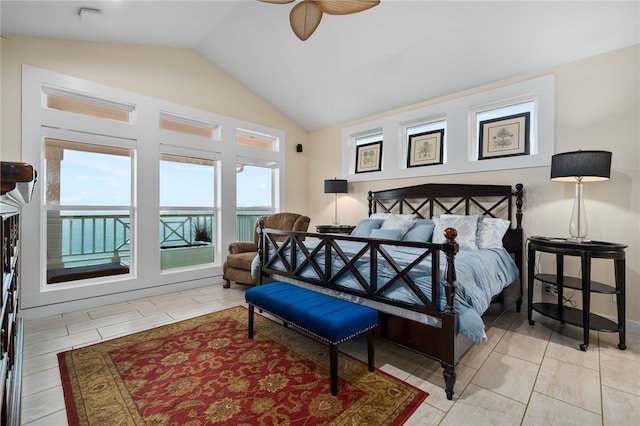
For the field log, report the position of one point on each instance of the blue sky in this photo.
(102, 179)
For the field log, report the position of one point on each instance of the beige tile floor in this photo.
(528, 375)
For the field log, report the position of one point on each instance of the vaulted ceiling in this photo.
(395, 54)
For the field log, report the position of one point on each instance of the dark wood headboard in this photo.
(433, 199)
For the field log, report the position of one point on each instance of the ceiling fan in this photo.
(306, 15)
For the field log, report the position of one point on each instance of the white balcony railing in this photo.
(90, 239)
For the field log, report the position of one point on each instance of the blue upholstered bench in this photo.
(329, 319)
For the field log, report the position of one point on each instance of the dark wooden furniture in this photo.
(586, 251)
(17, 184)
(334, 229)
(437, 336)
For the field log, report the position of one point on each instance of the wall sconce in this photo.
(335, 186)
(578, 167)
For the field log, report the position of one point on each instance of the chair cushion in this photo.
(241, 260)
(334, 320)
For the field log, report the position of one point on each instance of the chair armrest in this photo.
(242, 247)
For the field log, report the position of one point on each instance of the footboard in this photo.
(329, 264)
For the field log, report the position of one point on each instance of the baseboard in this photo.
(108, 299)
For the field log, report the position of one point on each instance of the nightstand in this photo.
(566, 314)
(334, 229)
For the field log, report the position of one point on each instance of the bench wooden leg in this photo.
(370, 351)
(333, 368)
(251, 309)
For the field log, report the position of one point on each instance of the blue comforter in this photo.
(481, 274)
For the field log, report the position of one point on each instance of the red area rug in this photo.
(206, 371)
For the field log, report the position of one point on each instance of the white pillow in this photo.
(388, 215)
(385, 234)
(467, 227)
(399, 222)
(491, 232)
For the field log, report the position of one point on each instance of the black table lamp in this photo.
(335, 186)
(578, 167)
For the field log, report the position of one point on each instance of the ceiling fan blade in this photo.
(305, 18)
(345, 7)
(277, 1)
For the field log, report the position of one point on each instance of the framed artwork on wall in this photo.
(425, 148)
(369, 157)
(504, 136)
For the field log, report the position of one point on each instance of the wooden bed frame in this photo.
(436, 337)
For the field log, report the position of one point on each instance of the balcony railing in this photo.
(90, 239)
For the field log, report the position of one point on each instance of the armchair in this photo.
(237, 266)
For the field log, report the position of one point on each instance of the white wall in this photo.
(597, 106)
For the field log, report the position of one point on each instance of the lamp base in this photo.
(578, 240)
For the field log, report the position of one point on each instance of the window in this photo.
(256, 140)
(426, 127)
(363, 140)
(437, 150)
(463, 145)
(121, 179)
(254, 196)
(88, 210)
(509, 111)
(189, 126)
(86, 105)
(187, 217)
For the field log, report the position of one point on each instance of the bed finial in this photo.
(450, 234)
(519, 200)
(260, 248)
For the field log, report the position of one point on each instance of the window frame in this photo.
(216, 237)
(144, 132)
(460, 154)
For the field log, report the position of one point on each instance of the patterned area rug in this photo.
(206, 371)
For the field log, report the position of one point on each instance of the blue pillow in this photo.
(425, 222)
(364, 228)
(420, 232)
(386, 234)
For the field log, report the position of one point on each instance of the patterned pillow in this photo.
(386, 234)
(491, 232)
(388, 215)
(467, 227)
(399, 222)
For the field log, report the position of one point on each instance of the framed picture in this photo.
(425, 148)
(504, 136)
(369, 157)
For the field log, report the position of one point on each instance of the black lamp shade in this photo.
(335, 186)
(592, 166)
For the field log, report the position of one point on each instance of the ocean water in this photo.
(94, 236)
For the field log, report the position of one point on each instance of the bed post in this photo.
(370, 199)
(448, 361)
(260, 249)
(519, 194)
(450, 271)
(519, 253)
